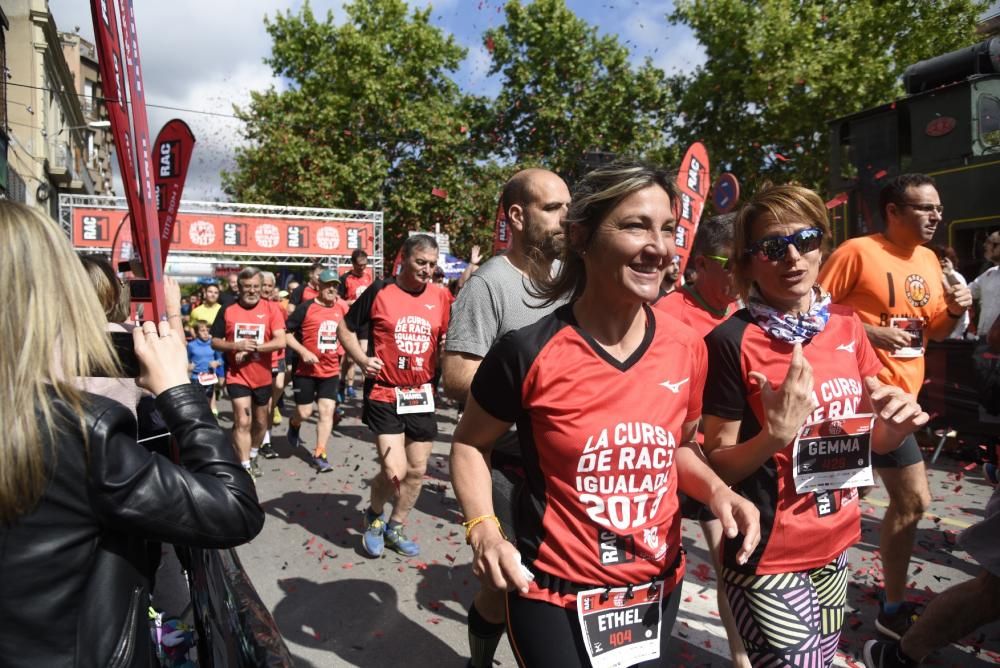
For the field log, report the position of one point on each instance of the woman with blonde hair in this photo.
(79, 497)
(793, 411)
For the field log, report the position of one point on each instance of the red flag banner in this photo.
(118, 55)
(146, 216)
(111, 64)
(693, 182)
(501, 231)
(174, 146)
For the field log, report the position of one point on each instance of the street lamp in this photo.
(92, 125)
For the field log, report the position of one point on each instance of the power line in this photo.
(148, 104)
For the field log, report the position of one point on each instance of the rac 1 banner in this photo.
(227, 233)
(693, 182)
(172, 155)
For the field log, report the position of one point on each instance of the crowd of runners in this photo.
(604, 397)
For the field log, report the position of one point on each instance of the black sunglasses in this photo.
(775, 248)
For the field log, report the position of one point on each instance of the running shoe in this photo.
(397, 540)
(268, 451)
(293, 435)
(255, 468)
(894, 625)
(215, 412)
(373, 540)
(351, 392)
(885, 654)
(320, 464)
(276, 418)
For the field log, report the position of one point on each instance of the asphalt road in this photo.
(335, 606)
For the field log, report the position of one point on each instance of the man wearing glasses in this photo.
(986, 288)
(896, 287)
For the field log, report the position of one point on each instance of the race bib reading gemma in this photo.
(834, 454)
(621, 628)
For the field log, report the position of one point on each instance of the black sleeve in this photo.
(209, 501)
(218, 330)
(498, 383)
(296, 296)
(295, 320)
(342, 288)
(725, 392)
(360, 314)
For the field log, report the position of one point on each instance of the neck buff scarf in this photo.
(790, 327)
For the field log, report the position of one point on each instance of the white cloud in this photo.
(674, 49)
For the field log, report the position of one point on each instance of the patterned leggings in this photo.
(790, 619)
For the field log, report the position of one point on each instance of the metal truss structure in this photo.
(67, 203)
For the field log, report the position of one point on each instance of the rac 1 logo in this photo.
(694, 175)
(168, 162)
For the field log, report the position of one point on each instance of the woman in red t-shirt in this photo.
(792, 414)
(606, 394)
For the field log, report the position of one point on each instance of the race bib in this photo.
(621, 631)
(326, 337)
(415, 399)
(207, 378)
(252, 331)
(914, 327)
(833, 454)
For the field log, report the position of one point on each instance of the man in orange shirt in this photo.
(896, 286)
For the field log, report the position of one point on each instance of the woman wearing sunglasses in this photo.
(792, 413)
(606, 393)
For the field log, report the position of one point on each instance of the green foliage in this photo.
(371, 120)
(778, 71)
(567, 91)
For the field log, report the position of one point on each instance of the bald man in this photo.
(494, 301)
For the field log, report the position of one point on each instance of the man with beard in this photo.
(896, 287)
(249, 332)
(408, 318)
(494, 301)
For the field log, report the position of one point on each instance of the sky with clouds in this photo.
(207, 56)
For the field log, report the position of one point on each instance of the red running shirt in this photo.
(406, 330)
(283, 314)
(598, 438)
(352, 287)
(260, 323)
(798, 531)
(315, 326)
(688, 308)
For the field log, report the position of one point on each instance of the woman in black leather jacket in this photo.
(79, 498)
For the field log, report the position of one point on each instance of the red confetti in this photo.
(780, 157)
(880, 173)
(490, 44)
(439, 192)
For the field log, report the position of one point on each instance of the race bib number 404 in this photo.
(834, 454)
(621, 628)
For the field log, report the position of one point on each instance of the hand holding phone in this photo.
(162, 357)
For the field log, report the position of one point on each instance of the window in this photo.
(989, 120)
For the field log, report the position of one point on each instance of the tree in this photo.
(778, 71)
(566, 91)
(371, 119)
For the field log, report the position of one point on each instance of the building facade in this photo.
(55, 141)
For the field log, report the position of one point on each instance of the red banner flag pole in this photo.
(173, 149)
(692, 180)
(127, 113)
(501, 230)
